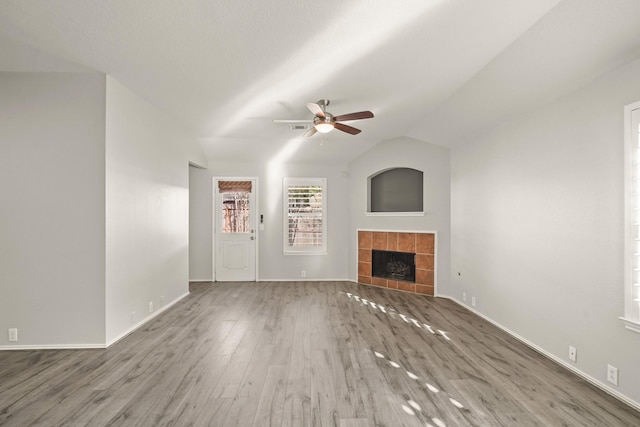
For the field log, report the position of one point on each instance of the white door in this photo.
(235, 229)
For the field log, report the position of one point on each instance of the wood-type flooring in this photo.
(303, 354)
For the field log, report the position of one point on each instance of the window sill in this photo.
(394, 213)
(631, 325)
(305, 253)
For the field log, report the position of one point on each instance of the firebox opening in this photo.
(393, 265)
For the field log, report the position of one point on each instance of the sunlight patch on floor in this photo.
(414, 407)
(392, 312)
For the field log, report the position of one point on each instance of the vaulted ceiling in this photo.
(437, 70)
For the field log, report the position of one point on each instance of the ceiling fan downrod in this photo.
(324, 103)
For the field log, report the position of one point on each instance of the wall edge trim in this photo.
(146, 320)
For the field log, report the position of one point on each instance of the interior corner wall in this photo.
(147, 209)
(272, 263)
(52, 211)
(538, 228)
(200, 235)
(433, 161)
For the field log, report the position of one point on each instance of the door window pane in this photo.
(235, 212)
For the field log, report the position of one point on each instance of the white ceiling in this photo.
(437, 70)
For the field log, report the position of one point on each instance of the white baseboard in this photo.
(93, 346)
(306, 279)
(602, 386)
(53, 347)
(146, 320)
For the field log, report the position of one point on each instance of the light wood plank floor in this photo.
(303, 354)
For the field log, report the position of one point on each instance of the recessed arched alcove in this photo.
(396, 190)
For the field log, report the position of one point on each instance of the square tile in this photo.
(364, 240)
(377, 281)
(423, 289)
(424, 262)
(364, 255)
(421, 276)
(405, 286)
(407, 242)
(364, 268)
(364, 279)
(425, 243)
(392, 242)
(379, 240)
(424, 277)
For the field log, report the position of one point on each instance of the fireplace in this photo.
(421, 247)
(393, 265)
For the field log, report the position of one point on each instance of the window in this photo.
(631, 317)
(305, 215)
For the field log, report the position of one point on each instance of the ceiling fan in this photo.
(325, 122)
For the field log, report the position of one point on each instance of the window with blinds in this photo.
(631, 317)
(305, 208)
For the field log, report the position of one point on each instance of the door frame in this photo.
(214, 218)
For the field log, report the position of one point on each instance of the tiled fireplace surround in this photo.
(422, 244)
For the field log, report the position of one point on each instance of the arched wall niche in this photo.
(397, 189)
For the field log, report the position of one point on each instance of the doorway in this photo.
(235, 237)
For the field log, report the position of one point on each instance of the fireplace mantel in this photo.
(420, 243)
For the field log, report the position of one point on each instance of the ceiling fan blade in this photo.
(346, 128)
(310, 132)
(315, 109)
(355, 116)
(292, 121)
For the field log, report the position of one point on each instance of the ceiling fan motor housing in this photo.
(328, 118)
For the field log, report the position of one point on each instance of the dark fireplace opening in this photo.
(393, 265)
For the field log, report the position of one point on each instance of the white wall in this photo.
(147, 209)
(273, 265)
(200, 235)
(411, 153)
(537, 220)
(52, 233)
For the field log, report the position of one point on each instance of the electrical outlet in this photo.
(464, 296)
(473, 301)
(303, 273)
(612, 374)
(13, 334)
(573, 353)
(150, 306)
(161, 299)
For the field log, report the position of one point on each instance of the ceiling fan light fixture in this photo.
(324, 124)
(324, 127)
